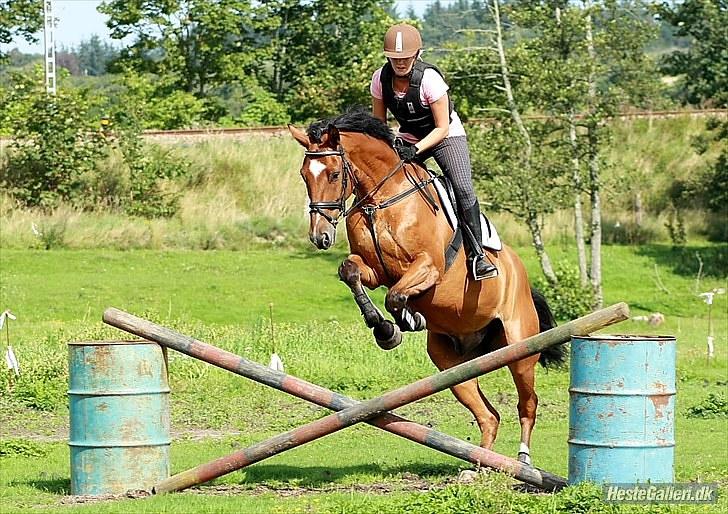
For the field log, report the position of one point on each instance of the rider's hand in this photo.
(406, 152)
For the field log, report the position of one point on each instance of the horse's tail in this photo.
(553, 355)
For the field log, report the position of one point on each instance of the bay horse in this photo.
(397, 235)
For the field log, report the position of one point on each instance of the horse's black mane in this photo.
(358, 119)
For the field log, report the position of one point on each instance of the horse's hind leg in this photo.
(355, 273)
(442, 352)
(523, 372)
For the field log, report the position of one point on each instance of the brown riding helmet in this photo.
(402, 41)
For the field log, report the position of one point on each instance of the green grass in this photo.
(223, 297)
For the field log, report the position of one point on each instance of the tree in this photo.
(324, 52)
(514, 160)
(23, 18)
(703, 67)
(197, 44)
(56, 142)
(577, 64)
(95, 55)
(67, 58)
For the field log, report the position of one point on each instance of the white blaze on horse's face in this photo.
(315, 167)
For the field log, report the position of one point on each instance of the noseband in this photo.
(340, 204)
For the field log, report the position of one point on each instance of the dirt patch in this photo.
(407, 483)
(378, 488)
(85, 499)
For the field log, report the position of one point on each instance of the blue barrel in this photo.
(622, 409)
(119, 409)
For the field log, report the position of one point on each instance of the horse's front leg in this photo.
(421, 275)
(355, 273)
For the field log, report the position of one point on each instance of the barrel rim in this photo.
(623, 338)
(118, 392)
(112, 342)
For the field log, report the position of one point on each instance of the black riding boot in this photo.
(481, 267)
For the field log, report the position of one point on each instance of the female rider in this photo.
(416, 95)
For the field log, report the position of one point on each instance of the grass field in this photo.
(225, 297)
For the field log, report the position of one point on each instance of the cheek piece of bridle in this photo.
(337, 205)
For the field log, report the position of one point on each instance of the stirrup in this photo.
(490, 272)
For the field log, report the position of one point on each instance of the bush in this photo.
(568, 299)
(22, 447)
(150, 100)
(137, 177)
(56, 143)
(714, 406)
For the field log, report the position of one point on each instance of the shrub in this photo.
(148, 169)
(568, 299)
(56, 142)
(713, 406)
(22, 447)
(151, 101)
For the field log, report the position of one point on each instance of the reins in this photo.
(368, 209)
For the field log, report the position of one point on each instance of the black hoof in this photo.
(387, 335)
(411, 322)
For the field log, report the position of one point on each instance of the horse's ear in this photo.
(333, 134)
(300, 136)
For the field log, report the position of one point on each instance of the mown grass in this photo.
(224, 297)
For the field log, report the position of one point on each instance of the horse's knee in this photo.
(395, 302)
(349, 272)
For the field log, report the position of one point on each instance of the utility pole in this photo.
(50, 47)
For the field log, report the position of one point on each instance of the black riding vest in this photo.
(412, 116)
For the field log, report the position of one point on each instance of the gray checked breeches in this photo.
(452, 156)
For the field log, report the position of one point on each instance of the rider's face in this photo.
(402, 67)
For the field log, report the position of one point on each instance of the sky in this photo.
(78, 20)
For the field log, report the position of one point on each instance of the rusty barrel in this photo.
(622, 409)
(119, 409)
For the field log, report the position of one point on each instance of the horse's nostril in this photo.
(325, 241)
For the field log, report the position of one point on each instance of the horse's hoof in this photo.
(420, 322)
(411, 321)
(524, 458)
(387, 335)
(467, 476)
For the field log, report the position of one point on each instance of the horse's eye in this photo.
(334, 176)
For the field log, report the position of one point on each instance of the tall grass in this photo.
(243, 193)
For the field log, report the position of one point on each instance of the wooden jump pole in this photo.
(357, 411)
(326, 398)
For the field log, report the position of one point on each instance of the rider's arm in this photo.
(378, 109)
(441, 113)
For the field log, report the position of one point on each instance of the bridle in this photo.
(346, 170)
(369, 209)
(340, 204)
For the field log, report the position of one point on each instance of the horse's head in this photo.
(329, 181)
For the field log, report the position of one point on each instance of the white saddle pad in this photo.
(491, 240)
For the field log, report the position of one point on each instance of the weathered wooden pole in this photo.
(357, 412)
